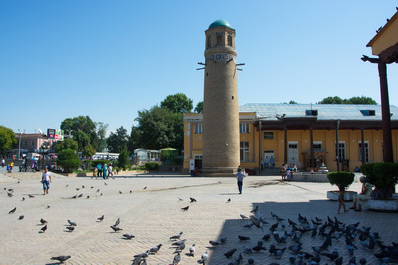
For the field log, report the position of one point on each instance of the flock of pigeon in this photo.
(280, 239)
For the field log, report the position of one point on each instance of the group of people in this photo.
(288, 171)
(103, 171)
(268, 162)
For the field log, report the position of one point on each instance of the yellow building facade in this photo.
(301, 134)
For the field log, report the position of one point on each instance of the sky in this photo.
(110, 59)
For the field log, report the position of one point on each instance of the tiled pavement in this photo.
(154, 214)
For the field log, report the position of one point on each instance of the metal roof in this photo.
(276, 111)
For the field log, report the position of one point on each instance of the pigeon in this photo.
(204, 258)
(177, 243)
(21, 217)
(117, 222)
(70, 228)
(13, 210)
(155, 249)
(115, 228)
(244, 216)
(92, 187)
(61, 259)
(179, 199)
(127, 236)
(120, 192)
(23, 198)
(105, 183)
(338, 261)
(42, 221)
(74, 197)
(229, 200)
(131, 191)
(192, 250)
(142, 255)
(98, 190)
(145, 188)
(259, 246)
(254, 210)
(88, 197)
(176, 237)
(176, 259)
(48, 207)
(243, 238)
(223, 240)
(192, 199)
(230, 253)
(31, 196)
(214, 243)
(247, 250)
(80, 195)
(250, 261)
(83, 187)
(362, 261)
(72, 223)
(185, 208)
(180, 247)
(43, 229)
(99, 219)
(77, 188)
(10, 194)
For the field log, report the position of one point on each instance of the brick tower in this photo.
(220, 104)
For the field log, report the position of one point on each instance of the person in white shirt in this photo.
(46, 180)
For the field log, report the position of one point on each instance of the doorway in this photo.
(292, 154)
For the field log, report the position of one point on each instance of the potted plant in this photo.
(342, 180)
(384, 176)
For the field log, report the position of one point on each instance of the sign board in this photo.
(51, 133)
(59, 135)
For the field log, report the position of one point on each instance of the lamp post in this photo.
(19, 146)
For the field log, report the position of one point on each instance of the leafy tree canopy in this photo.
(160, 128)
(88, 151)
(199, 107)
(123, 161)
(68, 160)
(354, 100)
(117, 141)
(177, 103)
(7, 139)
(134, 139)
(66, 144)
(83, 130)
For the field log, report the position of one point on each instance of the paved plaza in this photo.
(149, 207)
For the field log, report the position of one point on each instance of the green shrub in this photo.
(178, 161)
(123, 161)
(341, 179)
(384, 175)
(68, 160)
(151, 166)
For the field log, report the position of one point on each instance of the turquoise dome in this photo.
(220, 23)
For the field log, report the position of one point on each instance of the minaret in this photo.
(220, 104)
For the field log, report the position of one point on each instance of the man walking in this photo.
(240, 175)
(46, 180)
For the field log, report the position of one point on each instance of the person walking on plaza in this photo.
(240, 175)
(110, 171)
(340, 199)
(46, 180)
(104, 172)
(192, 169)
(11, 166)
(266, 161)
(99, 168)
(365, 194)
(94, 173)
(3, 162)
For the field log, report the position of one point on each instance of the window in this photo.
(33, 143)
(229, 40)
(198, 157)
(368, 112)
(293, 146)
(341, 151)
(366, 145)
(268, 135)
(317, 145)
(26, 143)
(198, 128)
(244, 128)
(244, 151)
(208, 42)
(219, 40)
(311, 112)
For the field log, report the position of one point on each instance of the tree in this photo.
(134, 139)
(160, 128)
(88, 151)
(117, 141)
(123, 161)
(292, 102)
(199, 107)
(177, 103)
(68, 160)
(354, 100)
(7, 139)
(83, 130)
(66, 144)
(101, 133)
(331, 100)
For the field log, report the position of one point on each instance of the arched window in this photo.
(219, 40)
(229, 40)
(208, 42)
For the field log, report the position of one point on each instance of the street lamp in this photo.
(19, 147)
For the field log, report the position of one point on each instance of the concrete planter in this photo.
(384, 205)
(334, 195)
(310, 177)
